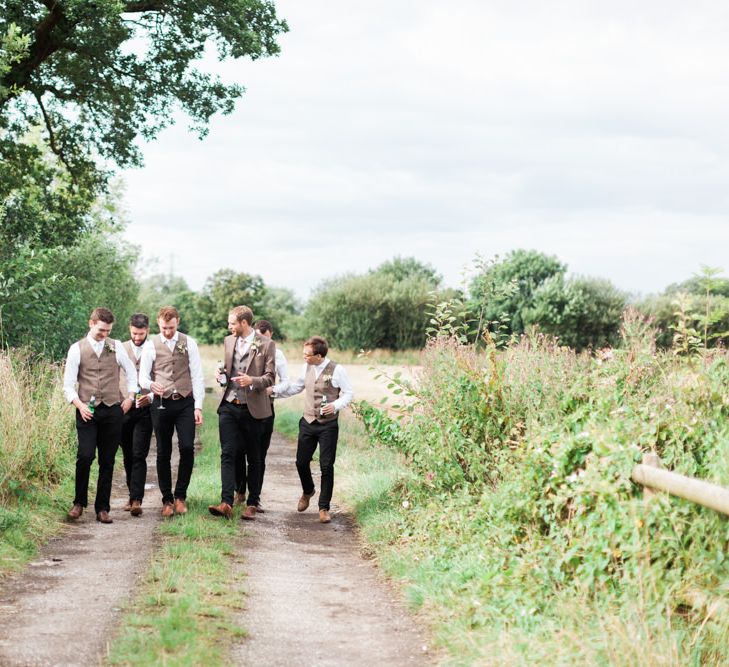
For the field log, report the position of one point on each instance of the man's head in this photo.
(138, 328)
(168, 319)
(264, 328)
(100, 323)
(240, 319)
(315, 350)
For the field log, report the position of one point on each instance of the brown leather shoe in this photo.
(324, 516)
(104, 517)
(240, 498)
(249, 514)
(304, 500)
(128, 506)
(168, 511)
(180, 506)
(75, 512)
(259, 509)
(135, 508)
(223, 510)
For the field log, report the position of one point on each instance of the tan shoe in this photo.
(304, 500)
(168, 511)
(223, 510)
(128, 506)
(104, 517)
(324, 516)
(249, 514)
(136, 508)
(240, 498)
(75, 512)
(180, 506)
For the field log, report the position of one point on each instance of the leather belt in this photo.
(177, 397)
(235, 401)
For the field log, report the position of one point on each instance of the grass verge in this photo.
(182, 613)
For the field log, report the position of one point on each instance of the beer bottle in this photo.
(92, 404)
(323, 405)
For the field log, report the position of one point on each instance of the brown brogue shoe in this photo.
(324, 516)
(180, 506)
(304, 500)
(240, 498)
(136, 508)
(223, 510)
(103, 517)
(128, 506)
(249, 514)
(168, 511)
(75, 512)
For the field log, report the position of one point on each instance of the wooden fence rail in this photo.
(651, 475)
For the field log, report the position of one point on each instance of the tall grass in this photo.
(37, 448)
(514, 521)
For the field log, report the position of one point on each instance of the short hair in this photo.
(103, 315)
(318, 344)
(168, 313)
(264, 326)
(242, 313)
(139, 320)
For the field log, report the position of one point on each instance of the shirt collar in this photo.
(322, 365)
(94, 343)
(170, 340)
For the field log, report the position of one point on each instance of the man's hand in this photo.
(243, 380)
(126, 405)
(83, 410)
(198, 416)
(158, 388)
(328, 409)
(269, 391)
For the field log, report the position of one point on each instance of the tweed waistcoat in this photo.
(314, 389)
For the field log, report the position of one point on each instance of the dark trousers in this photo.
(136, 436)
(177, 416)
(266, 433)
(240, 452)
(326, 436)
(102, 432)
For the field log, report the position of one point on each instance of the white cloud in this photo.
(588, 130)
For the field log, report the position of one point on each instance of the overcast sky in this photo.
(594, 131)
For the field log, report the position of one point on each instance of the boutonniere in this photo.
(181, 348)
(253, 348)
(326, 378)
(109, 347)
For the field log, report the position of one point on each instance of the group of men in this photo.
(123, 392)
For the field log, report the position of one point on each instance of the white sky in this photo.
(594, 131)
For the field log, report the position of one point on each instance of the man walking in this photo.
(136, 434)
(250, 365)
(264, 328)
(327, 392)
(171, 368)
(93, 364)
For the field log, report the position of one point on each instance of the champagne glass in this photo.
(161, 407)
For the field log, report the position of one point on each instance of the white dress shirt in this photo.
(339, 380)
(149, 354)
(138, 350)
(282, 369)
(73, 360)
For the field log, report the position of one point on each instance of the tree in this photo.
(96, 76)
(580, 312)
(504, 289)
(224, 290)
(401, 268)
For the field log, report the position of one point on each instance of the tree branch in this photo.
(149, 6)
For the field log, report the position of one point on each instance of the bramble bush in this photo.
(521, 515)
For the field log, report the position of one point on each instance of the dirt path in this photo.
(312, 600)
(64, 608)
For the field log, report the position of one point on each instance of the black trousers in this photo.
(177, 416)
(102, 432)
(240, 452)
(326, 436)
(136, 436)
(266, 433)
